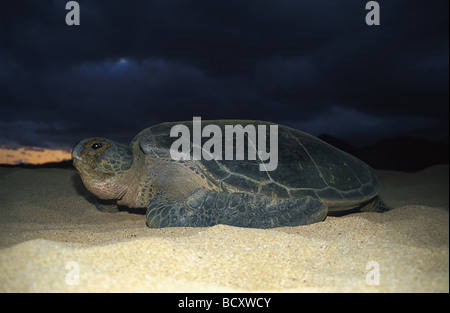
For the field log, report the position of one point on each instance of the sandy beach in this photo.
(52, 239)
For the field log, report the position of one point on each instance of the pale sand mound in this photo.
(53, 239)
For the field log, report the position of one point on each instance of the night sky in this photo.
(313, 65)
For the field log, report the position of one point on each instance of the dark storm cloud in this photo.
(314, 65)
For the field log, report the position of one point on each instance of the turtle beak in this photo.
(78, 149)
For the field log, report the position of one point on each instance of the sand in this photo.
(52, 239)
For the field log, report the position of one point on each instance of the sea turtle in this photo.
(312, 178)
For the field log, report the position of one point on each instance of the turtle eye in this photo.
(96, 146)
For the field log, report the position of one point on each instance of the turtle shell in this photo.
(307, 166)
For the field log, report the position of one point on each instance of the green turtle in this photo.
(312, 179)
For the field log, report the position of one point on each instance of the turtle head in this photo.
(104, 166)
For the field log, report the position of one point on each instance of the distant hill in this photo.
(408, 154)
(62, 164)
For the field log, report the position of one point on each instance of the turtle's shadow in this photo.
(77, 183)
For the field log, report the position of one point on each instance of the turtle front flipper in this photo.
(164, 212)
(207, 208)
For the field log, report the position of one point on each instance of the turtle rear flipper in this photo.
(206, 208)
(376, 205)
